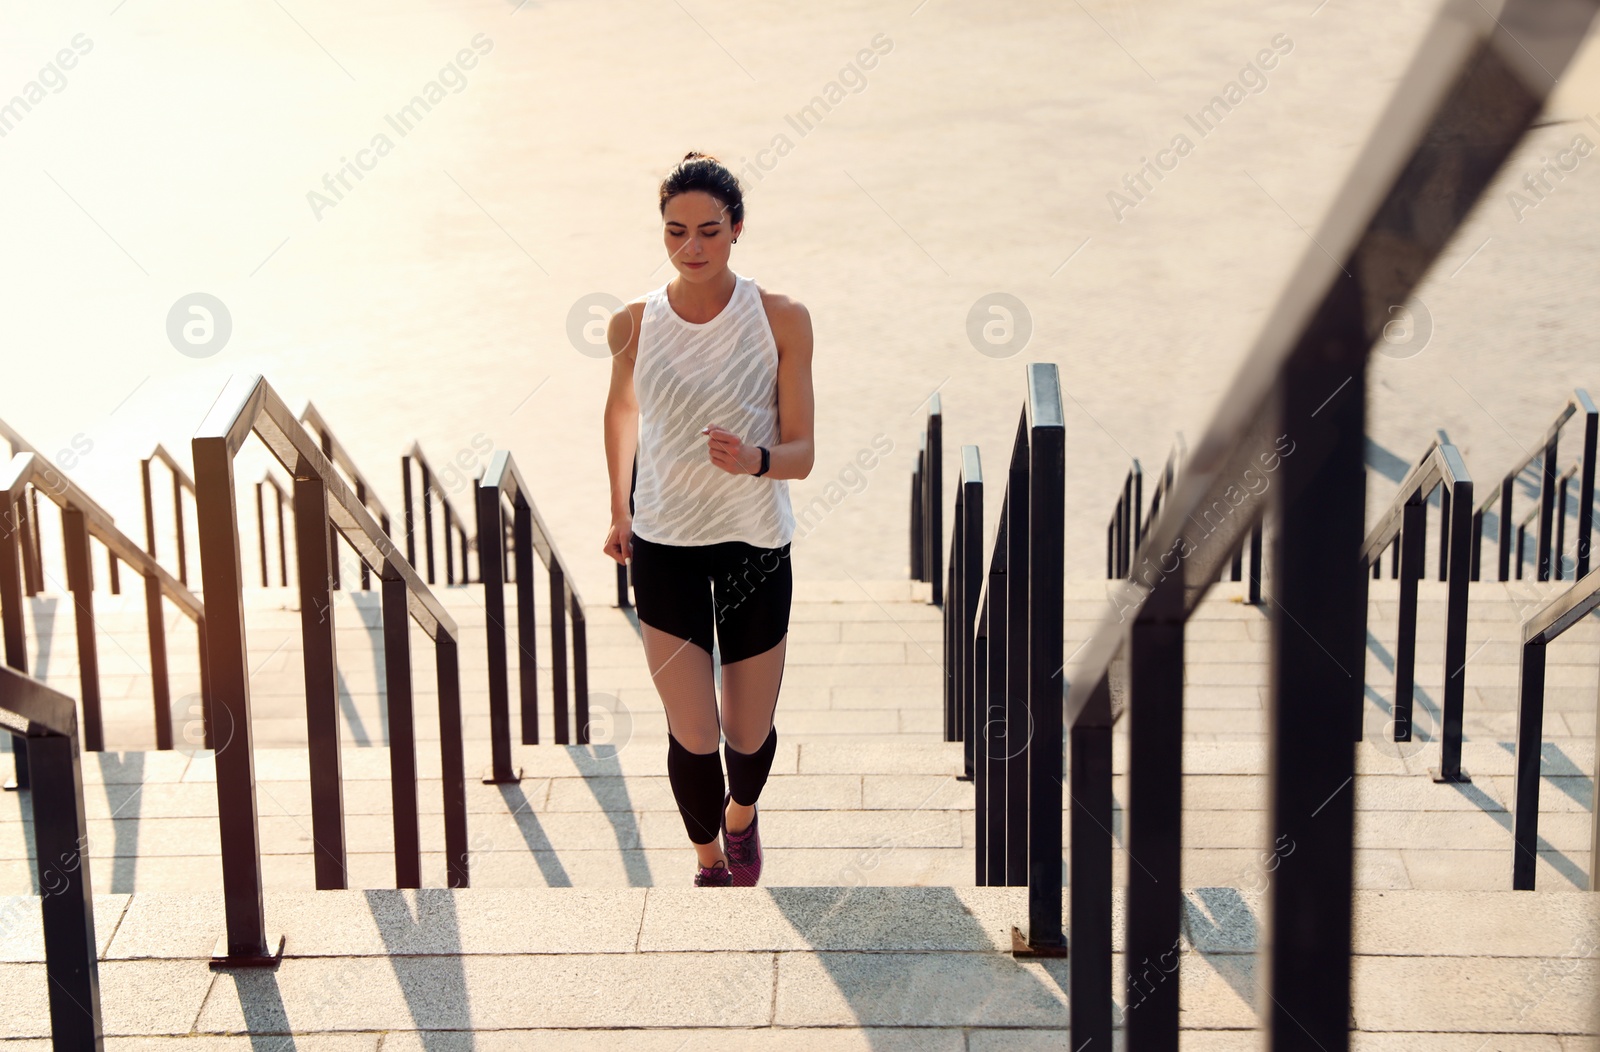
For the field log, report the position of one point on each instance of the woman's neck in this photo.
(702, 299)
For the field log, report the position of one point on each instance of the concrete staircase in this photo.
(867, 932)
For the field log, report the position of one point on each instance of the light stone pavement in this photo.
(442, 297)
(975, 156)
(867, 932)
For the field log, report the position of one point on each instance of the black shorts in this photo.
(742, 589)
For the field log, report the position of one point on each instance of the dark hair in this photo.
(700, 171)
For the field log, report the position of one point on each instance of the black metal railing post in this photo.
(1405, 659)
(14, 539)
(491, 555)
(278, 499)
(1529, 761)
(1153, 827)
(447, 662)
(933, 503)
(1459, 520)
(1255, 565)
(80, 583)
(48, 720)
(1547, 507)
(318, 640)
(988, 797)
(1591, 432)
(402, 733)
(961, 611)
(1505, 528)
(1317, 669)
(1010, 780)
(917, 488)
(1041, 752)
(246, 939)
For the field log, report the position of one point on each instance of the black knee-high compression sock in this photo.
(747, 771)
(697, 784)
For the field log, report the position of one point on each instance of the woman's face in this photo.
(698, 235)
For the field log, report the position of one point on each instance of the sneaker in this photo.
(743, 849)
(715, 875)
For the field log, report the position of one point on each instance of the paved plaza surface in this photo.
(976, 190)
(976, 155)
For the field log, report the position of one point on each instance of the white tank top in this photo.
(688, 375)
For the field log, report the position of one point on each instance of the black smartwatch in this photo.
(766, 461)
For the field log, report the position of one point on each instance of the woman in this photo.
(711, 387)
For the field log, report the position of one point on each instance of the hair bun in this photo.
(701, 171)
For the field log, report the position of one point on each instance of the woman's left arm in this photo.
(792, 457)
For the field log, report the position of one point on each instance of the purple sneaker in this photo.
(715, 875)
(743, 849)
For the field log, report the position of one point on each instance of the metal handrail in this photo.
(48, 721)
(503, 483)
(963, 586)
(366, 493)
(1546, 451)
(1404, 523)
(1009, 619)
(27, 519)
(452, 519)
(323, 501)
(1126, 529)
(927, 503)
(1129, 523)
(1544, 626)
(279, 497)
(81, 519)
(1559, 555)
(1163, 486)
(180, 482)
(1303, 384)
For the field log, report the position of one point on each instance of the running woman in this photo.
(711, 388)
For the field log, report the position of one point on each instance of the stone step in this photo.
(894, 813)
(785, 968)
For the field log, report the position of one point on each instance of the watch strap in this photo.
(766, 461)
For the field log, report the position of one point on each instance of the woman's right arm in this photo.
(622, 427)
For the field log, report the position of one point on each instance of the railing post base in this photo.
(1020, 947)
(221, 959)
(1460, 777)
(513, 778)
